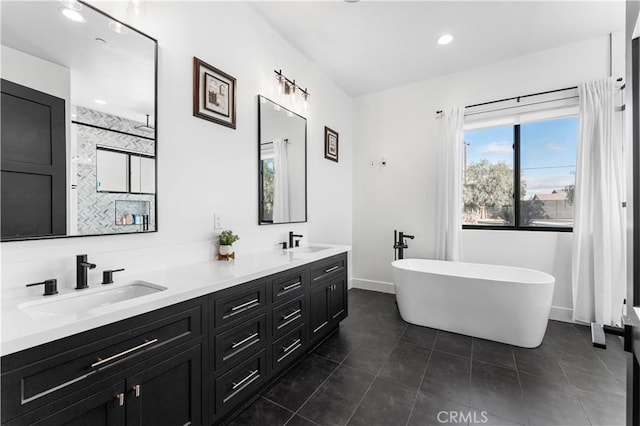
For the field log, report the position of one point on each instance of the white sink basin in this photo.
(83, 302)
(308, 249)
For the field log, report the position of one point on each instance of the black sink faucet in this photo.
(81, 271)
(50, 286)
(291, 237)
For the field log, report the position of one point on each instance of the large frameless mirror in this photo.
(282, 158)
(78, 138)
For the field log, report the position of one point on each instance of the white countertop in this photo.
(21, 331)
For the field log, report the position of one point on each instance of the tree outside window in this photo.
(537, 158)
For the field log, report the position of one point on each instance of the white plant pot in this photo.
(226, 250)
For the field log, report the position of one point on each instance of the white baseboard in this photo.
(561, 314)
(372, 285)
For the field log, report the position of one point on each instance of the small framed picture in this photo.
(214, 94)
(330, 144)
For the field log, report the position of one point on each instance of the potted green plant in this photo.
(227, 238)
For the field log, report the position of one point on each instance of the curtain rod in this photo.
(271, 143)
(525, 96)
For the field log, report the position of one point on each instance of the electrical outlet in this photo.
(217, 222)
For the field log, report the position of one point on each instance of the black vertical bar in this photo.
(261, 219)
(516, 176)
(635, 54)
(395, 240)
(633, 369)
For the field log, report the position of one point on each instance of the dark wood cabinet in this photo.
(319, 308)
(194, 363)
(289, 347)
(288, 284)
(239, 383)
(288, 316)
(328, 306)
(328, 298)
(235, 304)
(338, 300)
(104, 407)
(66, 379)
(167, 393)
(240, 341)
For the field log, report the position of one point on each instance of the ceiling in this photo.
(371, 45)
(119, 68)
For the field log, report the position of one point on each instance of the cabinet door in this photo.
(338, 300)
(319, 310)
(104, 408)
(169, 393)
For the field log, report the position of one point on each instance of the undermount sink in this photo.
(308, 249)
(84, 302)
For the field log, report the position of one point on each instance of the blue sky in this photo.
(548, 151)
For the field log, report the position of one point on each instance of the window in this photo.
(125, 171)
(533, 163)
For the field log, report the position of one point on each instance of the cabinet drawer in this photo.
(290, 284)
(331, 267)
(70, 364)
(232, 305)
(288, 316)
(289, 347)
(240, 341)
(240, 382)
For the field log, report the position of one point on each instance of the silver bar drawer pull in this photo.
(286, 317)
(136, 389)
(244, 305)
(243, 341)
(288, 348)
(289, 287)
(326, 271)
(243, 381)
(120, 399)
(123, 353)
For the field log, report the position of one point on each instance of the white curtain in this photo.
(599, 248)
(449, 184)
(281, 212)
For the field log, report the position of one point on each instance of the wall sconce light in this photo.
(288, 86)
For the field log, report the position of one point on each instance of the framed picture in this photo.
(330, 144)
(214, 94)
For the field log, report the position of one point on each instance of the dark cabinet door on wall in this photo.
(33, 151)
(169, 393)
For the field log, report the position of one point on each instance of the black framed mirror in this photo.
(282, 164)
(79, 130)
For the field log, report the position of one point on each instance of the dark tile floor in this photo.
(379, 370)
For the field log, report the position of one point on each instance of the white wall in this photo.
(400, 124)
(205, 167)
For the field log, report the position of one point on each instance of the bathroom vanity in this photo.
(193, 354)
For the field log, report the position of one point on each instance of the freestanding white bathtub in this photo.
(501, 303)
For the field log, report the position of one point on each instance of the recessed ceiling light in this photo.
(73, 15)
(445, 39)
(100, 40)
(351, 1)
(99, 101)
